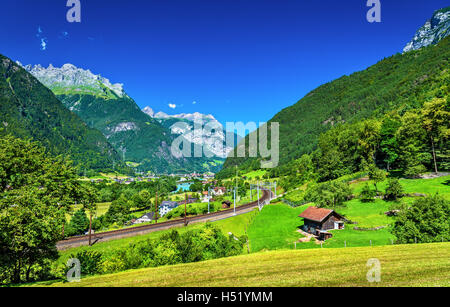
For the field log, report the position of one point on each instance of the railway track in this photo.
(140, 230)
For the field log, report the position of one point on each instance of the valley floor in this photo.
(401, 265)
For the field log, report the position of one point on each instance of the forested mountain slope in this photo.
(401, 82)
(30, 110)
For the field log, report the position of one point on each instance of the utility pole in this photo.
(156, 208)
(90, 228)
(208, 198)
(257, 188)
(236, 176)
(235, 201)
(185, 210)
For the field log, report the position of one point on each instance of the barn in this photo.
(318, 221)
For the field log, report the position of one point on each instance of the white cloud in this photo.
(43, 40)
(172, 106)
(43, 44)
(194, 102)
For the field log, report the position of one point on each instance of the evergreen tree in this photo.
(394, 190)
(79, 223)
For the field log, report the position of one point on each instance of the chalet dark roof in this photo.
(316, 214)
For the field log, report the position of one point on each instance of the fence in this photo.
(340, 243)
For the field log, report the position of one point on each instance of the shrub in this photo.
(415, 171)
(394, 190)
(112, 265)
(90, 261)
(427, 220)
(367, 195)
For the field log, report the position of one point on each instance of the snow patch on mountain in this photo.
(198, 130)
(149, 111)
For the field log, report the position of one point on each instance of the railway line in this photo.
(140, 230)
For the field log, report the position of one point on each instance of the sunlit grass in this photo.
(401, 265)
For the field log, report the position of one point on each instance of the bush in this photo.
(91, 262)
(367, 195)
(112, 265)
(394, 190)
(171, 248)
(415, 171)
(428, 220)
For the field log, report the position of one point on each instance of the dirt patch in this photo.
(359, 180)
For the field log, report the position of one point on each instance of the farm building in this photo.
(148, 217)
(318, 221)
(226, 204)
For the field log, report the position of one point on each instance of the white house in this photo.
(219, 191)
(166, 207)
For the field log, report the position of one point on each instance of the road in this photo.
(140, 230)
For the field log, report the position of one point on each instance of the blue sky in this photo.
(240, 60)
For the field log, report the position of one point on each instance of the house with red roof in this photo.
(318, 221)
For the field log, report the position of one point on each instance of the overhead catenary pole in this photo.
(156, 208)
(257, 188)
(90, 228)
(185, 210)
(235, 201)
(209, 197)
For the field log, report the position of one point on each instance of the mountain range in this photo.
(142, 137)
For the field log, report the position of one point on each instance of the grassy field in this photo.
(401, 265)
(366, 215)
(252, 175)
(427, 186)
(275, 227)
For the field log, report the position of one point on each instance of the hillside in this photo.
(400, 82)
(138, 137)
(30, 110)
(429, 264)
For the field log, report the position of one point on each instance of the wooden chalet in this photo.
(318, 221)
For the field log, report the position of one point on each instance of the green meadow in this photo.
(401, 266)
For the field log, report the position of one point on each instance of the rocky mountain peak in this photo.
(149, 111)
(69, 78)
(434, 30)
